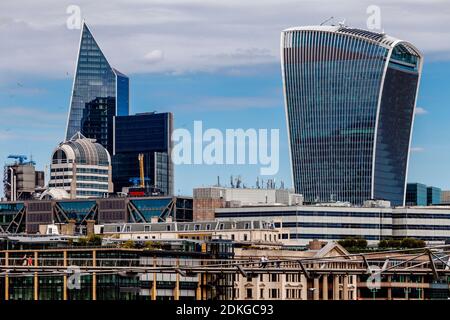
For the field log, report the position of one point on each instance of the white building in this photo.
(82, 168)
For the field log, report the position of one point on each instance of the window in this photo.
(249, 293)
(147, 228)
(274, 293)
(261, 293)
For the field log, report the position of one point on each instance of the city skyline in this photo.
(200, 95)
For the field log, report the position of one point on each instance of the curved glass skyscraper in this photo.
(99, 93)
(350, 97)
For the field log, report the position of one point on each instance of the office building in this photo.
(445, 197)
(416, 194)
(434, 195)
(207, 199)
(99, 93)
(250, 232)
(81, 167)
(27, 217)
(21, 180)
(148, 134)
(350, 96)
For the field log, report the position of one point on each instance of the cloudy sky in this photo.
(215, 61)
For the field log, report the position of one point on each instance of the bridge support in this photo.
(6, 276)
(36, 278)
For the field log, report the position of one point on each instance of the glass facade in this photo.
(99, 93)
(433, 195)
(349, 113)
(151, 137)
(416, 194)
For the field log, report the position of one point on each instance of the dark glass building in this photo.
(99, 93)
(148, 134)
(350, 96)
(433, 195)
(416, 194)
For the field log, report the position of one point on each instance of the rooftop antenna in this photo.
(231, 181)
(330, 18)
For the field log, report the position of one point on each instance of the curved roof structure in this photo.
(82, 150)
(55, 194)
(380, 38)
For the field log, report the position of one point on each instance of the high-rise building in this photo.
(82, 168)
(350, 96)
(416, 194)
(99, 93)
(148, 134)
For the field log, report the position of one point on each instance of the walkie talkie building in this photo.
(350, 96)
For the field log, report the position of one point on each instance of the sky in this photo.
(214, 61)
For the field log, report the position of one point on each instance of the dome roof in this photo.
(82, 150)
(55, 194)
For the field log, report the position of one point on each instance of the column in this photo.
(335, 287)
(154, 292)
(316, 291)
(345, 287)
(389, 289)
(204, 295)
(176, 294)
(65, 276)
(94, 275)
(36, 279)
(198, 293)
(325, 287)
(6, 276)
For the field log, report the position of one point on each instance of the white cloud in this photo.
(420, 111)
(154, 56)
(417, 149)
(194, 35)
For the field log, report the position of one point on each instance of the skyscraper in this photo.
(350, 96)
(148, 134)
(99, 93)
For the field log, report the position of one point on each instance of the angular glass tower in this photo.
(99, 93)
(350, 96)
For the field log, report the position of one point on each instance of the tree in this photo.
(353, 242)
(129, 244)
(94, 240)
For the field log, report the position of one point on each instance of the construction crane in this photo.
(141, 169)
(21, 159)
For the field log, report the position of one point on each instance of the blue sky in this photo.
(206, 61)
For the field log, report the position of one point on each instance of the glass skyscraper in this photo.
(148, 134)
(99, 93)
(350, 97)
